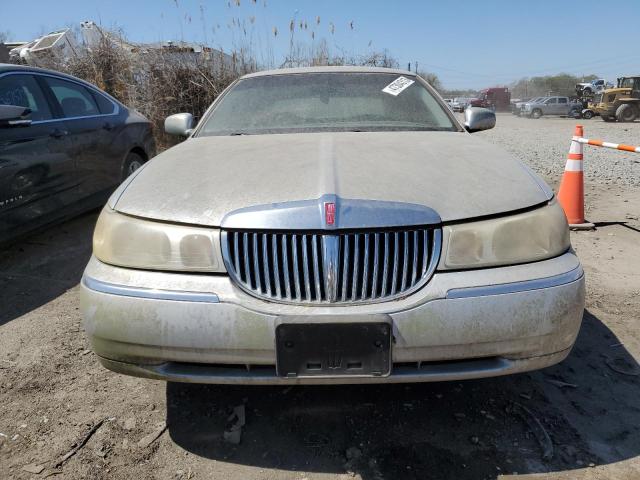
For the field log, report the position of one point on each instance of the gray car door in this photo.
(37, 175)
(550, 106)
(563, 106)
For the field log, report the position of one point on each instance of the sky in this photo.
(468, 44)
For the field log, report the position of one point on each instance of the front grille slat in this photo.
(316, 266)
(365, 268)
(331, 267)
(296, 267)
(276, 266)
(256, 263)
(285, 267)
(376, 252)
(396, 250)
(345, 267)
(425, 251)
(305, 264)
(405, 261)
(356, 263)
(385, 266)
(265, 264)
(245, 249)
(414, 266)
(236, 253)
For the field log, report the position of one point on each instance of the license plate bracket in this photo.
(333, 349)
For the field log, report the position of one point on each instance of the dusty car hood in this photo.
(453, 173)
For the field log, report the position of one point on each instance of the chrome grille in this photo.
(336, 267)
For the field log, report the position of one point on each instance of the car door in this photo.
(37, 174)
(89, 133)
(550, 105)
(563, 106)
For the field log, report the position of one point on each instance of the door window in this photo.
(551, 101)
(74, 99)
(106, 106)
(23, 91)
(562, 100)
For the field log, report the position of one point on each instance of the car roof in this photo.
(341, 69)
(9, 67)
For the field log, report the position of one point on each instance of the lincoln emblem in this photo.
(329, 213)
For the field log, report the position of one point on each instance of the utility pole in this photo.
(416, 66)
(409, 67)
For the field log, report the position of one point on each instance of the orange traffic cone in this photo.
(571, 192)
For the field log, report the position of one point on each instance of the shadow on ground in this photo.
(587, 406)
(41, 267)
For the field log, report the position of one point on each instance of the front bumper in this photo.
(201, 328)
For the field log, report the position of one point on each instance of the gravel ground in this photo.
(64, 415)
(544, 143)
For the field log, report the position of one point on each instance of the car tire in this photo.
(587, 92)
(536, 113)
(626, 113)
(132, 163)
(587, 114)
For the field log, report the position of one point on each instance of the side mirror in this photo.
(477, 119)
(14, 116)
(179, 124)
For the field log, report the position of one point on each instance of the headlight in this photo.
(525, 237)
(136, 243)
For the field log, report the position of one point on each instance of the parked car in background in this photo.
(331, 225)
(64, 146)
(449, 102)
(516, 107)
(460, 104)
(552, 106)
(587, 89)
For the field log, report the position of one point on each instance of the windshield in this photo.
(626, 83)
(316, 102)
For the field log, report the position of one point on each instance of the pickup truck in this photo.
(551, 106)
(587, 89)
(517, 107)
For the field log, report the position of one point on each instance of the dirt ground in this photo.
(579, 419)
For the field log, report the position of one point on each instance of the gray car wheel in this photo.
(132, 163)
(537, 113)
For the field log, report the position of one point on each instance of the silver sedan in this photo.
(331, 225)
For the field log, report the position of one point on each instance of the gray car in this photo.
(65, 146)
(331, 225)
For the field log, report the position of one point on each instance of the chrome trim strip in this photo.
(515, 287)
(309, 215)
(150, 293)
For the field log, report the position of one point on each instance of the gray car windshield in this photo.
(317, 102)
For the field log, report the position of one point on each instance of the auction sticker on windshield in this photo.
(398, 86)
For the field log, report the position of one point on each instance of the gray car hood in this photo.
(453, 173)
